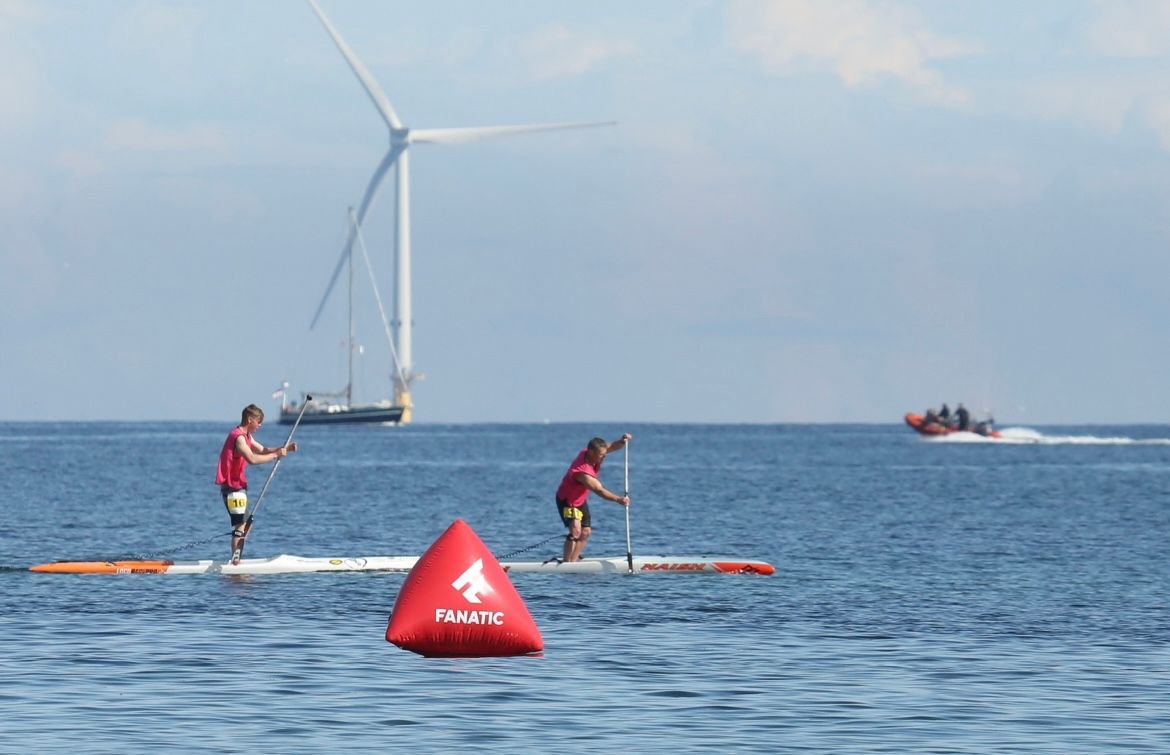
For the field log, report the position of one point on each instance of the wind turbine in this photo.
(398, 156)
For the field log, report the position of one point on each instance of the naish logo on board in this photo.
(474, 581)
(673, 567)
(471, 584)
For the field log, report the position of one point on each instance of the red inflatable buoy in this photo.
(457, 601)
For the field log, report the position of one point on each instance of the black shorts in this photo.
(569, 513)
(238, 517)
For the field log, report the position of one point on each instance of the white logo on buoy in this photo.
(474, 580)
(451, 616)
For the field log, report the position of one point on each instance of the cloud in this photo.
(81, 163)
(1123, 81)
(17, 10)
(861, 42)
(1106, 103)
(1100, 102)
(1135, 29)
(138, 136)
(1108, 77)
(556, 51)
(123, 139)
(20, 101)
(162, 32)
(1158, 119)
(986, 181)
(21, 78)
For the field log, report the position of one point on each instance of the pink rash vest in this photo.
(571, 491)
(233, 468)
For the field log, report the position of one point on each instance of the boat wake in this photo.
(1026, 435)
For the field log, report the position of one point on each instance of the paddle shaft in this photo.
(272, 472)
(629, 545)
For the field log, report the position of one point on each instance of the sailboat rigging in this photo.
(338, 407)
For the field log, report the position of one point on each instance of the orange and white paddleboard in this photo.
(104, 567)
(285, 564)
(645, 565)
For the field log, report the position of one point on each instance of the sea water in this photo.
(983, 596)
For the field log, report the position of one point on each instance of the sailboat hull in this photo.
(320, 413)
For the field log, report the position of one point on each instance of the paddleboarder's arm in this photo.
(595, 485)
(254, 452)
(280, 451)
(620, 443)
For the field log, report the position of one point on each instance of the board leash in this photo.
(518, 551)
(173, 549)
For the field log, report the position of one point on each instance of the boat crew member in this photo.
(572, 496)
(963, 416)
(239, 450)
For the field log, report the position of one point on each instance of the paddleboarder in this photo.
(239, 450)
(572, 496)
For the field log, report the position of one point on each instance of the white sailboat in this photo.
(338, 407)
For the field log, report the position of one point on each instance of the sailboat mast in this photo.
(350, 341)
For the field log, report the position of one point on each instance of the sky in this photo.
(807, 211)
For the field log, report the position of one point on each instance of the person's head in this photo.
(596, 450)
(252, 412)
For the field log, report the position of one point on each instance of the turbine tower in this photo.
(398, 156)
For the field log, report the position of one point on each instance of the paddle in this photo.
(629, 547)
(263, 490)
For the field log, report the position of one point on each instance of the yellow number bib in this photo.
(237, 502)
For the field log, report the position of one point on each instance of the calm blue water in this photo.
(932, 596)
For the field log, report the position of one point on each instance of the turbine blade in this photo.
(346, 250)
(459, 135)
(329, 288)
(377, 96)
(376, 181)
